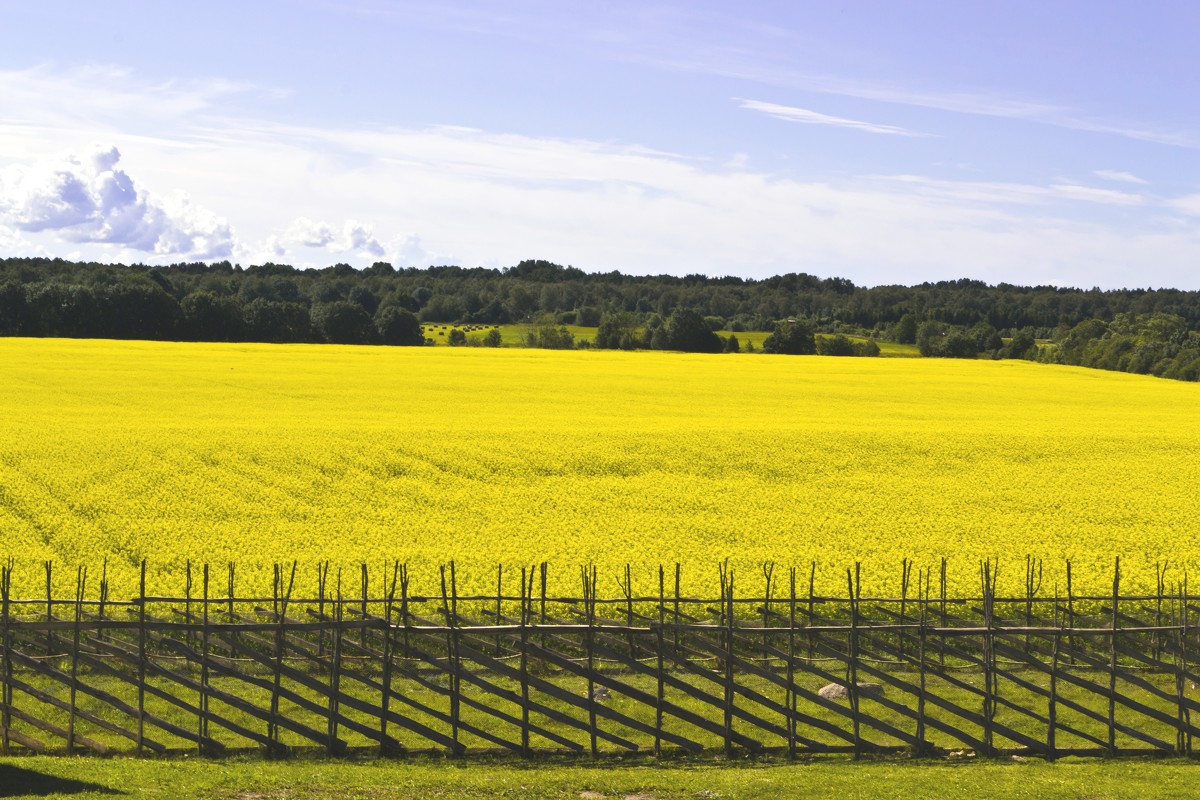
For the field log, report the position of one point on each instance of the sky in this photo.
(1026, 142)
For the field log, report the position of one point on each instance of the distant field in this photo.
(255, 453)
(514, 336)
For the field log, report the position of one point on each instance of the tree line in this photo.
(1153, 331)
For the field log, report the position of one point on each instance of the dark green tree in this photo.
(792, 338)
(399, 326)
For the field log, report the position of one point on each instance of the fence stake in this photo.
(589, 611)
(658, 640)
(385, 677)
(1052, 711)
(790, 689)
(6, 665)
(526, 613)
(852, 587)
(1112, 662)
(141, 684)
(923, 595)
(76, 631)
(727, 632)
(202, 722)
(335, 673)
(49, 608)
(450, 608)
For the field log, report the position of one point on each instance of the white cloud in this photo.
(1120, 177)
(87, 199)
(1189, 204)
(808, 117)
(354, 237)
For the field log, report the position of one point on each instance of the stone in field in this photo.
(836, 691)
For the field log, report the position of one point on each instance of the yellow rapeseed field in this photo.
(262, 453)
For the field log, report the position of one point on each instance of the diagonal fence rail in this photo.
(778, 671)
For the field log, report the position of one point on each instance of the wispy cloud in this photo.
(745, 66)
(1119, 176)
(809, 117)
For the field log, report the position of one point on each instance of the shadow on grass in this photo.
(20, 782)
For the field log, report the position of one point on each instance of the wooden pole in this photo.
(76, 633)
(141, 685)
(49, 567)
(335, 673)
(202, 722)
(922, 593)
(385, 671)
(790, 689)
(589, 611)
(659, 672)
(989, 670)
(6, 689)
(727, 629)
(1112, 661)
(852, 588)
(526, 613)
(1052, 710)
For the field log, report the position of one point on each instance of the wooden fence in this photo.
(657, 672)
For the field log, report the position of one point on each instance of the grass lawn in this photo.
(255, 779)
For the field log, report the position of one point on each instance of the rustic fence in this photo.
(779, 670)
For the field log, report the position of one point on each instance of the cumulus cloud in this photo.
(354, 237)
(88, 199)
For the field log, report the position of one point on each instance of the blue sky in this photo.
(885, 142)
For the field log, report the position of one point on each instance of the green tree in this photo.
(341, 322)
(399, 326)
(686, 330)
(792, 338)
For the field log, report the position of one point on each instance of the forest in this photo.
(1148, 331)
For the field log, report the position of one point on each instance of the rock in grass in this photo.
(836, 691)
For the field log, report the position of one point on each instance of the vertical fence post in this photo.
(1184, 711)
(49, 567)
(450, 609)
(658, 649)
(76, 633)
(499, 609)
(1052, 711)
(852, 586)
(942, 601)
(812, 581)
(1112, 661)
(589, 612)
(923, 578)
(103, 599)
(726, 618)
(277, 657)
(385, 670)
(202, 715)
(141, 684)
(187, 602)
(905, 575)
(6, 662)
(335, 673)
(989, 674)
(6, 688)
(678, 580)
(526, 614)
(768, 573)
(790, 689)
(1070, 614)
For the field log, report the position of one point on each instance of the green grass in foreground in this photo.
(235, 779)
